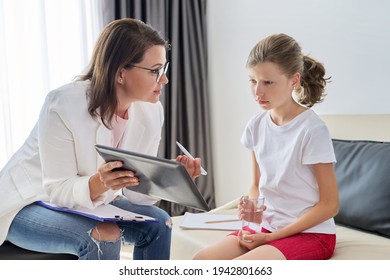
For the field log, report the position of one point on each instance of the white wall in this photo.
(350, 37)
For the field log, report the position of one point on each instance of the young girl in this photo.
(292, 159)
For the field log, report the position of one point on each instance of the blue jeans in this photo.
(39, 229)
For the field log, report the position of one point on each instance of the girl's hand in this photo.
(192, 165)
(251, 241)
(114, 178)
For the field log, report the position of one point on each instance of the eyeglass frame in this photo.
(159, 72)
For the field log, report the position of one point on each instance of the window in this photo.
(43, 44)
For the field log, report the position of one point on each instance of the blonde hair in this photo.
(284, 51)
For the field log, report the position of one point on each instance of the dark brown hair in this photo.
(284, 51)
(122, 42)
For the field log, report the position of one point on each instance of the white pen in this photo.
(187, 153)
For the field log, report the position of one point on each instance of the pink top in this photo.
(118, 129)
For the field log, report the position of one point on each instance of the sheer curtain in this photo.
(43, 44)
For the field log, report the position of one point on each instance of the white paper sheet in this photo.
(202, 221)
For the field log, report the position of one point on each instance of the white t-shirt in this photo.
(285, 155)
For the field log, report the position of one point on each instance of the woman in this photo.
(116, 103)
(292, 157)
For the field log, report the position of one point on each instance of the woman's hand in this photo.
(192, 165)
(110, 176)
(116, 179)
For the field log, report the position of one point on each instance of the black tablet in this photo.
(161, 178)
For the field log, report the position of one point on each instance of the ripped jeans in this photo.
(39, 229)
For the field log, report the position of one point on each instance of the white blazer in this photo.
(58, 158)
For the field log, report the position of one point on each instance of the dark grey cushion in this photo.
(363, 177)
(9, 251)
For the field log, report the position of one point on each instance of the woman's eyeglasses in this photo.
(159, 72)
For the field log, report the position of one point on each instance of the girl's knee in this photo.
(201, 255)
(106, 232)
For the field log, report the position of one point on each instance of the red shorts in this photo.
(304, 246)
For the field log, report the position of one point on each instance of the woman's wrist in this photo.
(96, 187)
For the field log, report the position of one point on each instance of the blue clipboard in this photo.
(102, 213)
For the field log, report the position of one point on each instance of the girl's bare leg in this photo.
(263, 252)
(226, 249)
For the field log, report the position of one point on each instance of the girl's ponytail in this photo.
(313, 82)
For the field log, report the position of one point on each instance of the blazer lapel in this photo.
(133, 137)
(103, 137)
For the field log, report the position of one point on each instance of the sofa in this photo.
(8, 251)
(363, 222)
